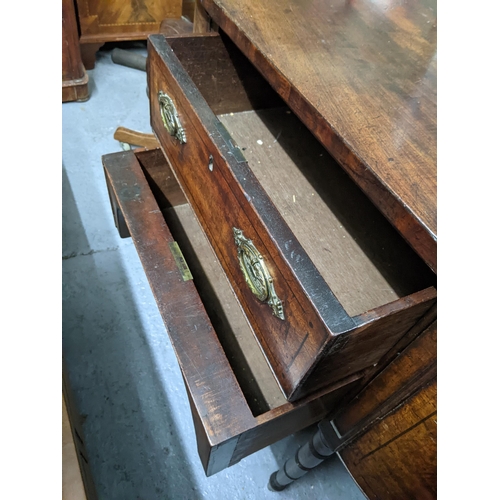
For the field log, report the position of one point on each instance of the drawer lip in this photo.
(320, 295)
(224, 423)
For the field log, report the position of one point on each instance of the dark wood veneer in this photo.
(363, 80)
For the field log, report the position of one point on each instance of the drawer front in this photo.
(225, 195)
(305, 349)
(226, 428)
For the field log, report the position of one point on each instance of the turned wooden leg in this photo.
(307, 457)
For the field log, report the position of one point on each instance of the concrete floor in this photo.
(122, 369)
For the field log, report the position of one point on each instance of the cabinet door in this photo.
(108, 20)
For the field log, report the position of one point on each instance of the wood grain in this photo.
(317, 328)
(362, 77)
(397, 458)
(115, 20)
(235, 334)
(74, 77)
(387, 434)
(76, 466)
(207, 190)
(225, 427)
(209, 378)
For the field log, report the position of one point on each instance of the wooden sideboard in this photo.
(288, 223)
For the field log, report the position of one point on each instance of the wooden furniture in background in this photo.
(74, 77)
(103, 21)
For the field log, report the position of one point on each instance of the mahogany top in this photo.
(361, 74)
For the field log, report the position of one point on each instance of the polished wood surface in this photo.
(414, 368)
(390, 428)
(387, 434)
(362, 76)
(318, 341)
(74, 77)
(397, 458)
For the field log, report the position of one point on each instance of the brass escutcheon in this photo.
(256, 274)
(170, 117)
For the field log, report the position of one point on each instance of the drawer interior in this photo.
(235, 334)
(362, 258)
(240, 345)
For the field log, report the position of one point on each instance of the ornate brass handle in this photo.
(170, 117)
(256, 274)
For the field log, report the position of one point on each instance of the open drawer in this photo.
(328, 285)
(236, 404)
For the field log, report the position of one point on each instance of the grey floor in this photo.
(122, 369)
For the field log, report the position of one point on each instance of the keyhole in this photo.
(211, 163)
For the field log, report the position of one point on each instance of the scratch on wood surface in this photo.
(387, 443)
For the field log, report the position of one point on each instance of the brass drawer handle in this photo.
(170, 117)
(256, 274)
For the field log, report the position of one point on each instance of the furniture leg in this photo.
(88, 51)
(310, 455)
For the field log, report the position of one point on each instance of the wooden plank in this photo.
(363, 80)
(410, 370)
(201, 21)
(397, 458)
